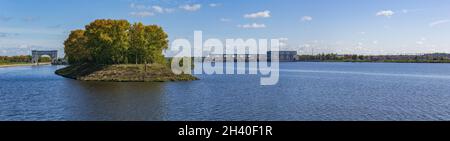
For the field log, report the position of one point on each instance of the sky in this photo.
(307, 26)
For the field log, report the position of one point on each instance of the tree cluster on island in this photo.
(107, 41)
(115, 50)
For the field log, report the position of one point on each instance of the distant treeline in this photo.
(426, 58)
(116, 42)
(21, 59)
(15, 59)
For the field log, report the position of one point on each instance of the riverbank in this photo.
(384, 61)
(122, 73)
(21, 64)
(424, 58)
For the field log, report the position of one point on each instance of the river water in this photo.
(306, 91)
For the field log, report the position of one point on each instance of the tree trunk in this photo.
(145, 71)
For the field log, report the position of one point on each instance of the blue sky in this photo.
(310, 26)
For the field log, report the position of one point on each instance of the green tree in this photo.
(157, 42)
(354, 57)
(138, 43)
(108, 40)
(45, 59)
(75, 47)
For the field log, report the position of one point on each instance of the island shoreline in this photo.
(122, 73)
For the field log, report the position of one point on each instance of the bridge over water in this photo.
(35, 54)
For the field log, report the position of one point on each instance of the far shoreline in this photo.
(400, 62)
(23, 64)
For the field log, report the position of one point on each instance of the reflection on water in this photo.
(116, 101)
(306, 91)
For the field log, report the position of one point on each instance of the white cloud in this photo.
(4, 34)
(169, 10)
(304, 45)
(307, 18)
(225, 20)
(262, 14)
(406, 11)
(159, 9)
(30, 19)
(214, 5)
(5, 19)
(283, 39)
(360, 44)
(142, 14)
(23, 45)
(193, 7)
(34, 31)
(375, 42)
(385, 13)
(436, 23)
(146, 10)
(252, 26)
(138, 6)
(283, 42)
(421, 41)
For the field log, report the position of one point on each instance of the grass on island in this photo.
(123, 73)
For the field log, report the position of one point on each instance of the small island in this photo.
(115, 50)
